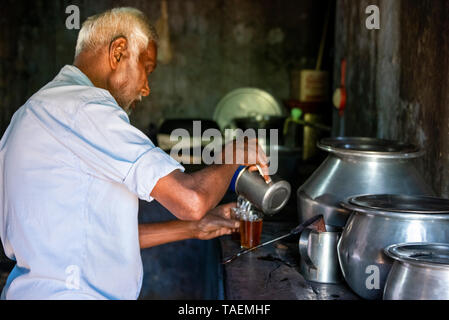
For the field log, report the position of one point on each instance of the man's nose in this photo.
(146, 89)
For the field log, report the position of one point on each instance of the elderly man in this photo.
(73, 168)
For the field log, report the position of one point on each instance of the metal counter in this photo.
(271, 272)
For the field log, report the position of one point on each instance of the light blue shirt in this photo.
(71, 171)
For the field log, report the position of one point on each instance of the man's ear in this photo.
(118, 49)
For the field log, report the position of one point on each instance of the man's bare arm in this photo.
(154, 234)
(216, 223)
(190, 196)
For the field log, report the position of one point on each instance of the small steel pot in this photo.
(378, 221)
(319, 261)
(420, 272)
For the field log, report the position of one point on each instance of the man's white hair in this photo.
(103, 28)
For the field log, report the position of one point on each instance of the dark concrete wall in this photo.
(219, 45)
(397, 77)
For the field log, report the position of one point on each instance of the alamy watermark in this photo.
(373, 20)
(73, 20)
(372, 282)
(72, 281)
(236, 147)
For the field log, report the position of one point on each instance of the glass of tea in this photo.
(235, 214)
(250, 229)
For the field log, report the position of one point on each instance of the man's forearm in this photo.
(215, 224)
(154, 234)
(191, 196)
(213, 182)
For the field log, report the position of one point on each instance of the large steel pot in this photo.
(358, 166)
(420, 272)
(378, 221)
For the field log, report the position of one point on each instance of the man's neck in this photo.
(93, 70)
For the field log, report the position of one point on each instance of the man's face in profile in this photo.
(130, 81)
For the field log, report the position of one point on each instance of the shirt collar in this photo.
(72, 74)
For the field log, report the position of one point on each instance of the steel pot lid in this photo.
(399, 206)
(369, 147)
(402, 203)
(425, 253)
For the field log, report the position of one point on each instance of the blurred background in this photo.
(217, 46)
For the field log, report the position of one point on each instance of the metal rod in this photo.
(294, 231)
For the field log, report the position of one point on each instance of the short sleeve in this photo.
(111, 148)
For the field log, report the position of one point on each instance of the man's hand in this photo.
(216, 223)
(246, 152)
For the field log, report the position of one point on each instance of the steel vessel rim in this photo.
(392, 213)
(410, 153)
(415, 261)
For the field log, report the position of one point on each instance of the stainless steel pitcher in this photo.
(319, 260)
(270, 197)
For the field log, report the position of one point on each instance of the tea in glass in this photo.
(250, 229)
(235, 214)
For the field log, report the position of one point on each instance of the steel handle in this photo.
(304, 247)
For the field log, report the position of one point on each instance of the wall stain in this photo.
(408, 99)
